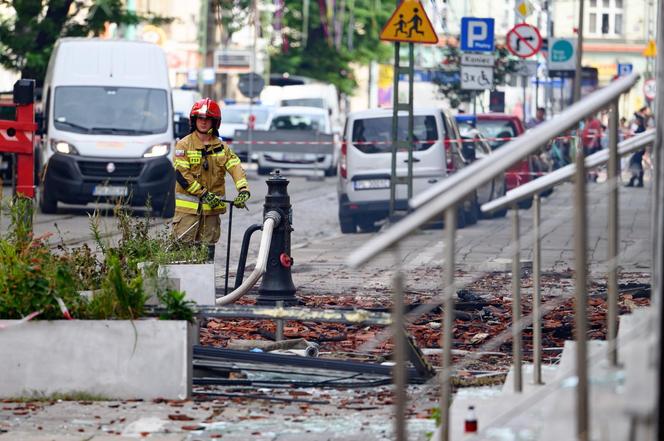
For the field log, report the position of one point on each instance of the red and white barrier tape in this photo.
(25, 319)
(63, 309)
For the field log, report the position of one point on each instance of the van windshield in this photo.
(116, 110)
(306, 102)
(314, 123)
(374, 135)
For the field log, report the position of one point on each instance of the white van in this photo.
(321, 95)
(108, 125)
(366, 162)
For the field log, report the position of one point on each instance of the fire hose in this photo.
(272, 219)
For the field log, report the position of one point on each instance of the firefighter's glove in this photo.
(241, 198)
(212, 199)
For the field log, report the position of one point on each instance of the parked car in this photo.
(300, 124)
(499, 128)
(366, 158)
(107, 126)
(476, 147)
(236, 117)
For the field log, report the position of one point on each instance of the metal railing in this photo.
(533, 189)
(444, 198)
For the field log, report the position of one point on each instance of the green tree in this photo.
(324, 40)
(30, 28)
(504, 64)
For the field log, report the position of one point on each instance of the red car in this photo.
(499, 128)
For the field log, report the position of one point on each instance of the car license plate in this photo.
(110, 190)
(371, 184)
(293, 157)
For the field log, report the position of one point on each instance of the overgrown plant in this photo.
(32, 278)
(36, 277)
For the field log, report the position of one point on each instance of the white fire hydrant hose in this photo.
(272, 219)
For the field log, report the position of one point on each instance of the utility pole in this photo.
(579, 55)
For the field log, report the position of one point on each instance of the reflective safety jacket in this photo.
(200, 167)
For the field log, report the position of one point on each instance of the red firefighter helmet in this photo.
(205, 108)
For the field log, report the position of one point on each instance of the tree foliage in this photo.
(338, 33)
(30, 28)
(450, 67)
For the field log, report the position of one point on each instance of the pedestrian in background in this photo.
(201, 161)
(540, 116)
(591, 137)
(639, 125)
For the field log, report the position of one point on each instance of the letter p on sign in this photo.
(477, 34)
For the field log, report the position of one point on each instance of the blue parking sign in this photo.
(625, 69)
(477, 34)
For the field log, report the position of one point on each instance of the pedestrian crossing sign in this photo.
(410, 24)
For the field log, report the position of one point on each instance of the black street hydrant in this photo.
(277, 283)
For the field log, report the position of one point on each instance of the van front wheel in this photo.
(48, 204)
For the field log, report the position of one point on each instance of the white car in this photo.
(301, 125)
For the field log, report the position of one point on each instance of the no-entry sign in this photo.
(524, 40)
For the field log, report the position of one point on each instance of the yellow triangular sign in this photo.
(409, 23)
(651, 49)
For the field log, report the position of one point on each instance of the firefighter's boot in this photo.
(210, 253)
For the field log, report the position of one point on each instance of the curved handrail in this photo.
(436, 200)
(272, 219)
(564, 173)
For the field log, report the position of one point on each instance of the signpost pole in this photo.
(579, 55)
(395, 121)
(411, 138)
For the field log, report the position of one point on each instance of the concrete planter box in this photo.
(110, 358)
(196, 280)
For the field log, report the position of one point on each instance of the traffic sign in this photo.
(524, 40)
(487, 60)
(650, 89)
(562, 54)
(477, 34)
(476, 77)
(251, 84)
(526, 68)
(625, 69)
(523, 9)
(409, 23)
(651, 49)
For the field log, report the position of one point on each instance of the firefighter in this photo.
(201, 161)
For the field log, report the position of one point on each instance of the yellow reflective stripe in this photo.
(241, 183)
(193, 205)
(181, 163)
(218, 154)
(232, 162)
(194, 187)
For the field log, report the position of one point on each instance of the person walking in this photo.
(201, 162)
(636, 160)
